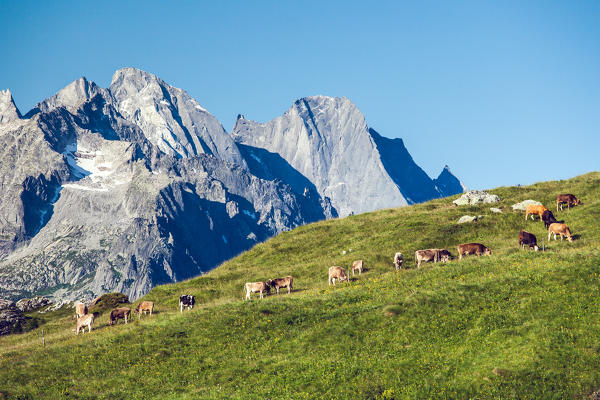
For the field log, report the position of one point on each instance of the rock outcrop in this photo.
(522, 206)
(32, 304)
(476, 197)
(10, 317)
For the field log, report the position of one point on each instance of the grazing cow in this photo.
(431, 255)
(187, 301)
(80, 309)
(548, 218)
(568, 199)
(472, 248)
(398, 260)
(278, 283)
(357, 266)
(560, 229)
(444, 255)
(534, 209)
(338, 273)
(257, 287)
(119, 313)
(529, 239)
(143, 307)
(86, 320)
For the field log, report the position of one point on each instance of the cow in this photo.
(80, 309)
(529, 239)
(444, 255)
(560, 229)
(548, 218)
(338, 273)
(119, 313)
(187, 301)
(472, 248)
(568, 199)
(431, 255)
(257, 287)
(85, 320)
(534, 209)
(357, 266)
(143, 307)
(278, 283)
(398, 260)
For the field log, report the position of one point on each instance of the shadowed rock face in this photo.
(10, 316)
(121, 189)
(326, 141)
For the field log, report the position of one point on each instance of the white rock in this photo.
(469, 218)
(476, 197)
(523, 205)
(495, 210)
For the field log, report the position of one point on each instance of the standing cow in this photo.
(256, 287)
(529, 239)
(143, 307)
(186, 301)
(431, 255)
(534, 209)
(398, 260)
(278, 283)
(338, 273)
(80, 309)
(357, 266)
(548, 218)
(560, 229)
(119, 313)
(472, 248)
(86, 320)
(568, 199)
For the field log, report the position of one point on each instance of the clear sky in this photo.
(504, 92)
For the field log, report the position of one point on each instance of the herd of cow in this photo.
(338, 273)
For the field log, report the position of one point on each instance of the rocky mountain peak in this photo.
(8, 109)
(169, 117)
(448, 184)
(70, 97)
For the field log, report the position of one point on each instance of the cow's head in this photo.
(487, 251)
(535, 247)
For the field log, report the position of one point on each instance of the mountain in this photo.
(327, 141)
(134, 185)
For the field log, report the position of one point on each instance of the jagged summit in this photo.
(448, 184)
(8, 109)
(70, 97)
(169, 117)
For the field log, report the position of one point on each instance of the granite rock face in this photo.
(326, 144)
(10, 316)
(119, 189)
(35, 303)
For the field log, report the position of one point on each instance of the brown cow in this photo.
(529, 239)
(431, 255)
(143, 307)
(278, 283)
(119, 313)
(472, 248)
(568, 199)
(560, 229)
(398, 260)
(80, 309)
(338, 273)
(86, 320)
(534, 209)
(357, 266)
(256, 287)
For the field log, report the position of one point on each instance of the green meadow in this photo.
(516, 325)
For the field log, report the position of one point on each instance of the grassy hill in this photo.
(518, 324)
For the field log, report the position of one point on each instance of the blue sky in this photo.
(503, 92)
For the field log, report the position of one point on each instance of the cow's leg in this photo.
(261, 295)
(289, 289)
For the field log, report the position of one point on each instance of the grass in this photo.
(518, 324)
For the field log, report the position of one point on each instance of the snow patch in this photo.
(255, 157)
(81, 187)
(250, 214)
(224, 239)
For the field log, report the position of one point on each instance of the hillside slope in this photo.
(518, 324)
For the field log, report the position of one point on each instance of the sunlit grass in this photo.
(518, 324)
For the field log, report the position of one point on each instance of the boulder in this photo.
(469, 218)
(35, 303)
(523, 205)
(495, 210)
(10, 317)
(476, 197)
